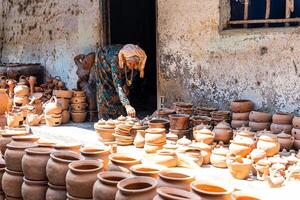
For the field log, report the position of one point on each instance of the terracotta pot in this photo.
(169, 193)
(68, 147)
(33, 119)
(179, 121)
(175, 177)
(53, 106)
(282, 118)
(21, 90)
(105, 188)
(167, 158)
(183, 141)
(256, 116)
(212, 190)
(34, 163)
(81, 177)
(278, 128)
(6, 138)
(139, 140)
(24, 139)
(286, 141)
(148, 169)
(239, 167)
(14, 154)
(78, 117)
(296, 133)
(259, 126)
(77, 100)
(4, 101)
(241, 116)
(122, 162)
(296, 122)
(34, 190)
(219, 156)
(181, 133)
(204, 135)
(241, 147)
(239, 123)
(2, 171)
(56, 192)
(78, 107)
(65, 117)
(153, 148)
(257, 154)
(66, 94)
(194, 155)
(77, 93)
(64, 103)
(96, 153)
(136, 188)
(223, 132)
(12, 183)
(105, 133)
(269, 143)
(57, 166)
(205, 150)
(153, 137)
(14, 120)
(159, 123)
(241, 106)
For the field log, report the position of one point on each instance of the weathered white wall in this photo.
(50, 33)
(199, 63)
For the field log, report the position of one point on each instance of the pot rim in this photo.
(229, 190)
(179, 116)
(97, 163)
(39, 150)
(21, 146)
(175, 193)
(157, 167)
(72, 154)
(141, 179)
(67, 146)
(241, 101)
(58, 187)
(111, 158)
(27, 137)
(159, 121)
(39, 183)
(103, 175)
(98, 150)
(13, 172)
(175, 170)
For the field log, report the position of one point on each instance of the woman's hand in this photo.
(130, 110)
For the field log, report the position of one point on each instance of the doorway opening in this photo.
(134, 22)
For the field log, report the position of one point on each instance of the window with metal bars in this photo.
(264, 13)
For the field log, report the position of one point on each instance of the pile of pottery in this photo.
(240, 113)
(53, 112)
(21, 92)
(282, 122)
(105, 130)
(204, 135)
(204, 111)
(219, 116)
(78, 106)
(123, 134)
(259, 121)
(63, 97)
(223, 132)
(164, 112)
(155, 139)
(296, 132)
(180, 125)
(183, 108)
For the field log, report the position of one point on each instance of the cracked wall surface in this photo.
(50, 33)
(201, 64)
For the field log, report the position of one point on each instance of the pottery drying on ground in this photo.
(240, 195)
(204, 135)
(241, 147)
(14, 120)
(269, 143)
(146, 169)
(169, 193)
(12, 183)
(223, 132)
(183, 141)
(239, 167)
(122, 162)
(53, 106)
(21, 90)
(155, 136)
(167, 158)
(55, 192)
(105, 188)
(275, 179)
(96, 153)
(205, 151)
(33, 119)
(179, 121)
(286, 141)
(257, 154)
(296, 133)
(78, 117)
(65, 117)
(241, 106)
(4, 101)
(282, 118)
(105, 131)
(259, 126)
(34, 190)
(190, 154)
(261, 169)
(67, 94)
(219, 156)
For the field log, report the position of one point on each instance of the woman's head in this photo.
(133, 57)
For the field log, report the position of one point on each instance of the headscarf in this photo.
(130, 50)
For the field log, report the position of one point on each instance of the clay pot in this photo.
(6, 138)
(34, 190)
(167, 158)
(65, 117)
(139, 140)
(105, 188)
(278, 128)
(151, 170)
(2, 171)
(153, 148)
(78, 107)
(169, 193)
(81, 177)
(241, 147)
(256, 116)
(14, 154)
(155, 136)
(34, 163)
(194, 155)
(53, 106)
(183, 141)
(64, 103)
(78, 93)
(212, 190)
(3, 82)
(218, 157)
(241, 106)
(181, 133)
(78, 117)
(33, 119)
(296, 133)
(68, 147)
(55, 192)
(269, 143)
(297, 144)
(286, 141)
(14, 120)
(239, 123)
(21, 90)
(21, 100)
(179, 121)
(96, 153)
(122, 162)
(223, 132)
(257, 154)
(105, 132)
(24, 139)
(175, 177)
(77, 100)
(159, 123)
(204, 135)
(57, 166)
(4, 101)
(296, 121)
(12, 183)
(205, 151)
(282, 118)
(239, 167)
(66, 94)
(259, 126)
(136, 188)
(241, 116)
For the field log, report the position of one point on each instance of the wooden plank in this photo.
(246, 12)
(268, 8)
(289, 8)
(262, 21)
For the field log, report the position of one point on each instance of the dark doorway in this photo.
(134, 22)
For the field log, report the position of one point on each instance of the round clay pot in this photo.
(78, 93)
(204, 149)
(76, 100)
(218, 157)
(297, 144)
(240, 147)
(278, 128)
(53, 121)
(81, 177)
(75, 198)
(169, 193)
(296, 122)
(241, 116)
(78, 107)
(56, 192)
(68, 147)
(241, 106)
(106, 134)
(204, 135)
(153, 148)
(6, 139)
(122, 162)
(167, 158)
(14, 120)
(151, 170)
(57, 166)
(78, 117)
(159, 123)
(239, 123)
(257, 154)
(12, 183)
(269, 143)
(34, 190)
(259, 126)
(65, 116)
(24, 139)
(136, 188)
(296, 133)
(282, 118)
(179, 121)
(212, 190)
(240, 168)
(4, 101)
(139, 140)
(14, 154)
(286, 141)
(96, 153)
(64, 103)
(53, 106)
(256, 116)
(21, 90)
(181, 133)
(34, 163)
(175, 177)
(223, 132)
(2, 171)
(67, 94)
(152, 137)
(105, 188)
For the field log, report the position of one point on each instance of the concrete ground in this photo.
(84, 133)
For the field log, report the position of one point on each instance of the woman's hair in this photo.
(130, 51)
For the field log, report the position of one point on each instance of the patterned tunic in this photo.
(112, 90)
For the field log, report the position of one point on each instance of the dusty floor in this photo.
(84, 134)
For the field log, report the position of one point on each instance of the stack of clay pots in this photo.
(3, 106)
(282, 122)
(183, 108)
(204, 135)
(240, 113)
(155, 139)
(105, 130)
(204, 111)
(219, 116)
(53, 112)
(296, 132)
(123, 133)
(63, 97)
(259, 121)
(78, 106)
(180, 125)
(21, 92)
(164, 112)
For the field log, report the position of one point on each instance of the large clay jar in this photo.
(57, 166)
(240, 116)
(34, 190)
(34, 163)
(159, 123)
(282, 118)
(146, 169)
(286, 141)
(96, 153)
(218, 157)
(269, 143)
(166, 158)
(105, 188)
(256, 116)
(53, 107)
(204, 135)
(259, 126)
(136, 188)
(239, 167)
(241, 147)
(6, 138)
(14, 154)
(81, 177)
(176, 177)
(179, 121)
(4, 101)
(223, 132)
(12, 183)
(241, 106)
(122, 162)
(55, 192)
(105, 131)
(65, 116)
(169, 193)
(2, 171)
(211, 190)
